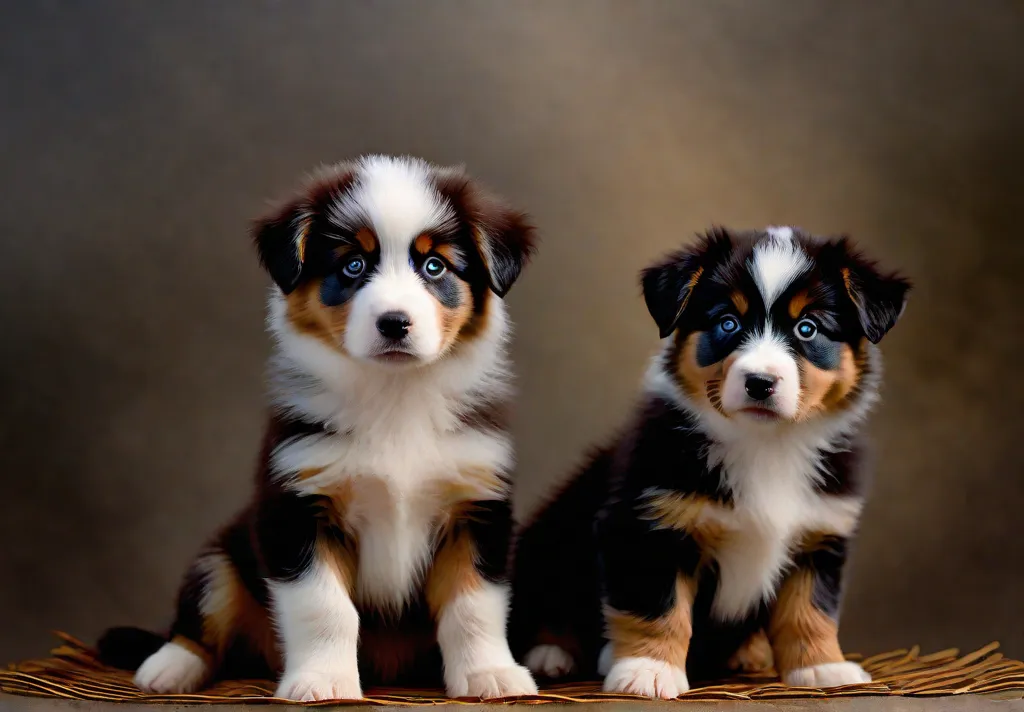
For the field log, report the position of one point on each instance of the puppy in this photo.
(376, 544)
(725, 510)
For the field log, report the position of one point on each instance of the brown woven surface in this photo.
(74, 673)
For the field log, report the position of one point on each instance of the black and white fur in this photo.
(711, 494)
(385, 457)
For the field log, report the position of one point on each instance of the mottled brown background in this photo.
(137, 138)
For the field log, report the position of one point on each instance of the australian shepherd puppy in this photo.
(376, 544)
(713, 533)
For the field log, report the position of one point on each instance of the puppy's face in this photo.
(392, 261)
(771, 326)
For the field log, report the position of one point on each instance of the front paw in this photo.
(491, 683)
(827, 675)
(647, 677)
(312, 685)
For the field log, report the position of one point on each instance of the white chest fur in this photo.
(399, 486)
(774, 506)
(400, 453)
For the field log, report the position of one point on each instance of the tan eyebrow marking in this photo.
(366, 239)
(741, 303)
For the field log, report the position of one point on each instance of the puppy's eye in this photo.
(729, 324)
(354, 267)
(434, 267)
(806, 329)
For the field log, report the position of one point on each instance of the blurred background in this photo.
(137, 140)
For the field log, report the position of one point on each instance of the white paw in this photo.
(827, 675)
(605, 660)
(510, 681)
(172, 670)
(311, 685)
(646, 677)
(549, 661)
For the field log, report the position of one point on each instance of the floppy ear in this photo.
(669, 284)
(506, 241)
(280, 239)
(879, 298)
(504, 237)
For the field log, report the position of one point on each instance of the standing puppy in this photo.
(377, 540)
(726, 508)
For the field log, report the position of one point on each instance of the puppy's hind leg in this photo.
(208, 607)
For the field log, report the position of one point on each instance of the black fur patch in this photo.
(489, 523)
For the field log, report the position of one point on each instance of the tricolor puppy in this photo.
(376, 543)
(716, 527)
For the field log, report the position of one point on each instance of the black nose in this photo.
(393, 325)
(760, 386)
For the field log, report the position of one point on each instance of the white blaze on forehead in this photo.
(780, 232)
(396, 198)
(776, 263)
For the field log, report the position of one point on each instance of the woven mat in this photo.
(74, 673)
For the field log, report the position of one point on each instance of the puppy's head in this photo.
(392, 260)
(771, 326)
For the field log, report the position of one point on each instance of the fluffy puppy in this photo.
(376, 544)
(724, 511)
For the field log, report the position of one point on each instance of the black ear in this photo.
(503, 236)
(879, 298)
(669, 284)
(507, 241)
(280, 239)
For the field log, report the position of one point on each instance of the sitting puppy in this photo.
(377, 540)
(726, 508)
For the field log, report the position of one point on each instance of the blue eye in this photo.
(806, 329)
(729, 324)
(434, 267)
(354, 267)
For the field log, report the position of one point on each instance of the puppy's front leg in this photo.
(804, 626)
(311, 578)
(468, 593)
(650, 584)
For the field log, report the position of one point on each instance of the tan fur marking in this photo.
(342, 560)
(848, 283)
(453, 571)
(798, 303)
(692, 378)
(800, 634)
(423, 244)
(454, 319)
(755, 655)
(309, 315)
(473, 484)
(366, 239)
(448, 251)
(301, 240)
(336, 503)
(666, 639)
(689, 292)
(489, 416)
(822, 390)
(238, 617)
(684, 513)
(221, 585)
(739, 300)
(253, 624)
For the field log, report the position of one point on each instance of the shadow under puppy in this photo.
(376, 544)
(712, 533)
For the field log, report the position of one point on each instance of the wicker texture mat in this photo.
(74, 673)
